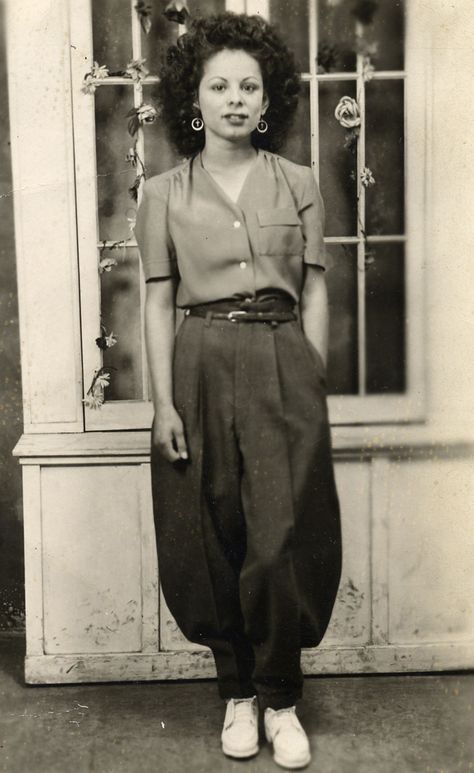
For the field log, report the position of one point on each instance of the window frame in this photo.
(360, 409)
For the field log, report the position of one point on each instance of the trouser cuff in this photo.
(278, 699)
(230, 689)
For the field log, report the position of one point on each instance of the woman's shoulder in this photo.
(297, 173)
(158, 184)
(298, 177)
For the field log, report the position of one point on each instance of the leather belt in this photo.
(269, 310)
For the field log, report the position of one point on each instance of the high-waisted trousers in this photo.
(248, 529)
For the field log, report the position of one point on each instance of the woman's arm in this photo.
(315, 309)
(168, 430)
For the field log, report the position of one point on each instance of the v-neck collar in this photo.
(235, 204)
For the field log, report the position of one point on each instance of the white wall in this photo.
(450, 225)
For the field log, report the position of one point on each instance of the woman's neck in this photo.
(223, 155)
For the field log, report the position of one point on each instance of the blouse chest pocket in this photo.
(280, 232)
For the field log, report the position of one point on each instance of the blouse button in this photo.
(243, 264)
(237, 223)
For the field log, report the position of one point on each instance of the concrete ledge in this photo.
(395, 658)
(399, 441)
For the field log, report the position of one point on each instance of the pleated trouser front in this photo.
(248, 530)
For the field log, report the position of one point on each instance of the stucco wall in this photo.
(11, 541)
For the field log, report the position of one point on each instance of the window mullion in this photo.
(361, 315)
(140, 149)
(353, 76)
(313, 85)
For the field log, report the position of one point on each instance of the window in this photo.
(373, 229)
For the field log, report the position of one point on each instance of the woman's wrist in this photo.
(163, 405)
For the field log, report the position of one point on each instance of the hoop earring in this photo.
(262, 126)
(197, 124)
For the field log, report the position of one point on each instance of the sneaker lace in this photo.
(243, 710)
(284, 719)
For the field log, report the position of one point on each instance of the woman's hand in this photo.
(168, 431)
(168, 434)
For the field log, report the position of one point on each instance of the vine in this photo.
(347, 111)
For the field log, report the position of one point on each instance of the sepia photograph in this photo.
(236, 386)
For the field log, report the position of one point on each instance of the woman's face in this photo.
(231, 95)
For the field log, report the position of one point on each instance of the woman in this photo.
(246, 509)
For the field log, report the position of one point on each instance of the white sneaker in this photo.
(240, 732)
(290, 742)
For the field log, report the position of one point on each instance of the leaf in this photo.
(133, 125)
(133, 190)
(101, 342)
(145, 21)
(177, 11)
(143, 9)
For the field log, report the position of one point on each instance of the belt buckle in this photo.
(232, 315)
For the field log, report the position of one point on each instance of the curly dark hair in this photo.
(182, 70)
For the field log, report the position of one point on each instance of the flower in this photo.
(136, 71)
(369, 257)
(147, 113)
(89, 84)
(105, 341)
(132, 157)
(95, 394)
(139, 115)
(366, 47)
(102, 380)
(347, 113)
(367, 177)
(177, 11)
(106, 264)
(94, 400)
(100, 72)
(368, 69)
(92, 78)
(110, 341)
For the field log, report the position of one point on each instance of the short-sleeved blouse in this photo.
(187, 225)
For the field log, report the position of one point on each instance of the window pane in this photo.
(206, 7)
(385, 314)
(297, 146)
(341, 280)
(337, 163)
(114, 174)
(111, 20)
(336, 38)
(388, 32)
(159, 155)
(162, 34)
(292, 20)
(120, 304)
(385, 156)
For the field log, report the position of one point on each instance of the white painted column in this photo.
(45, 217)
